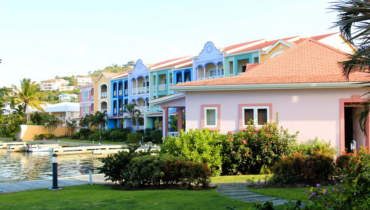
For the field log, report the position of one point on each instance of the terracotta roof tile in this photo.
(239, 45)
(176, 64)
(307, 62)
(166, 61)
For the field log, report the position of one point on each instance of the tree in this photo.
(10, 124)
(131, 112)
(87, 121)
(173, 122)
(3, 99)
(71, 126)
(354, 24)
(28, 95)
(52, 123)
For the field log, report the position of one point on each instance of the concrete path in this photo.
(44, 184)
(241, 192)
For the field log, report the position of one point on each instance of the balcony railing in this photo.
(115, 93)
(139, 90)
(162, 87)
(104, 95)
(103, 110)
(211, 77)
(173, 134)
(120, 92)
(63, 119)
(154, 89)
(143, 108)
(126, 92)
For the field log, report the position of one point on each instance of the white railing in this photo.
(115, 93)
(143, 108)
(126, 92)
(173, 134)
(120, 110)
(141, 90)
(154, 88)
(162, 87)
(120, 92)
(63, 119)
(92, 98)
(103, 110)
(133, 91)
(141, 127)
(115, 111)
(104, 95)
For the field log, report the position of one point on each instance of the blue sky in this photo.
(40, 39)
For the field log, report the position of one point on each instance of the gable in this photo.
(140, 68)
(209, 54)
(274, 51)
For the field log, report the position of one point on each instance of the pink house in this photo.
(304, 85)
(86, 99)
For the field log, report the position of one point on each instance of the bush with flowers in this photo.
(301, 168)
(255, 150)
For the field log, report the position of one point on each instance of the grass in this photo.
(105, 197)
(284, 193)
(240, 178)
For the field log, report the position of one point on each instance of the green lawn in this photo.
(240, 178)
(105, 197)
(284, 193)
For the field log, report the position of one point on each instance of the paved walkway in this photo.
(241, 192)
(44, 184)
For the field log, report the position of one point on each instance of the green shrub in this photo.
(197, 146)
(106, 134)
(299, 168)
(119, 135)
(94, 136)
(309, 147)
(30, 123)
(148, 131)
(134, 138)
(156, 135)
(85, 133)
(42, 136)
(136, 169)
(147, 138)
(76, 135)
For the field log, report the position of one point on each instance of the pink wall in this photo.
(314, 113)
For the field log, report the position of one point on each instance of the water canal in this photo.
(18, 166)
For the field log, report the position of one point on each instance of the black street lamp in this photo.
(54, 161)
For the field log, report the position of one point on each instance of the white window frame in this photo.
(205, 117)
(85, 98)
(255, 113)
(84, 113)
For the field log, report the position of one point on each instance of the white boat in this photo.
(39, 149)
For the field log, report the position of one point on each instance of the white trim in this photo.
(205, 117)
(255, 114)
(171, 62)
(275, 54)
(246, 46)
(166, 98)
(241, 53)
(278, 42)
(271, 86)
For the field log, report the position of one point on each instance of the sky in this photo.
(40, 39)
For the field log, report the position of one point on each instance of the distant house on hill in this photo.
(68, 97)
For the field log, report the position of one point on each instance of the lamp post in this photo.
(353, 145)
(54, 161)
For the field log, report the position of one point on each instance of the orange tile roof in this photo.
(307, 62)
(317, 38)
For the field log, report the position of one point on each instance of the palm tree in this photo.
(87, 121)
(3, 98)
(354, 24)
(52, 123)
(71, 126)
(99, 119)
(28, 95)
(131, 112)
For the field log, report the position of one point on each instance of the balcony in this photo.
(103, 110)
(120, 92)
(92, 98)
(115, 111)
(126, 92)
(115, 93)
(104, 95)
(63, 119)
(174, 134)
(143, 108)
(211, 77)
(140, 90)
(154, 89)
(162, 87)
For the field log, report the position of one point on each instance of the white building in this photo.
(64, 111)
(56, 84)
(68, 97)
(83, 80)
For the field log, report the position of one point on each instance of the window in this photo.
(210, 117)
(85, 110)
(244, 68)
(256, 60)
(86, 95)
(259, 115)
(213, 73)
